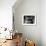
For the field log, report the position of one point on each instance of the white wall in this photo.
(6, 13)
(29, 7)
(43, 22)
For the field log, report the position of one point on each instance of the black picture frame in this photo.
(29, 20)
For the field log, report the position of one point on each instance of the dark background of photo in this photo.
(29, 19)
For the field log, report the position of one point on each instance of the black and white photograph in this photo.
(29, 19)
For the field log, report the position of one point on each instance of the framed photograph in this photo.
(29, 20)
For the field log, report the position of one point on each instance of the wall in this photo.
(32, 32)
(6, 13)
(43, 22)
